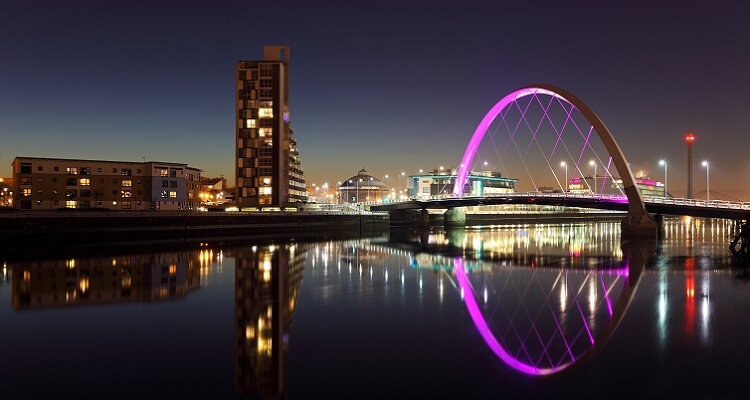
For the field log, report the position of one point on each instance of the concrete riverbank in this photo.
(20, 229)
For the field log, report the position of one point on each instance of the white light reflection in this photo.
(662, 325)
(705, 307)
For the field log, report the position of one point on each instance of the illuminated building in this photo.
(267, 282)
(361, 188)
(605, 185)
(440, 181)
(52, 183)
(269, 171)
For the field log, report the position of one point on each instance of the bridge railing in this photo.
(678, 201)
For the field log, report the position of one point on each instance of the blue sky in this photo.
(391, 86)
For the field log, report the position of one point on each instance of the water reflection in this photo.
(524, 299)
(103, 280)
(267, 282)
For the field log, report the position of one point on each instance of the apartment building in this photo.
(54, 183)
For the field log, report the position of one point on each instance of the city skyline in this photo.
(389, 87)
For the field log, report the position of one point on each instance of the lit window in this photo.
(127, 193)
(84, 182)
(127, 182)
(266, 181)
(265, 190)
(250, 123)
(126, 205)
(164, 194)
(71, 204)
(265, 112)
(26, 192)
(72, 171)
(263, 132)
(164, 172)
(126, 172)
(173, 194)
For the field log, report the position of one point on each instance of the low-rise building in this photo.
(52, 183)
(441, 181)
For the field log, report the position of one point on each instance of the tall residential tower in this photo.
(269, 173)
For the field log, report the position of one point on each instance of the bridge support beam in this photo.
(639, 226)
(454, 217)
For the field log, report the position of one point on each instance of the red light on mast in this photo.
(690, 137)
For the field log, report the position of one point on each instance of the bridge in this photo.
(653, 204)
(533, 128)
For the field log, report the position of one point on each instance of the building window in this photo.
(25, 168)
(84, 182)
(54, 191)
(173, 184)
(85, 171)
(263, 132)
(71, 204)
(265, 113)
(127, 182)
(39, 202)
(127, 172)
(85, 193)
(164, 194)
(164, 183)
(25, 192)
(84, 204)
(127, 193)
(72, 170)
(101, 180)
(138, 192)
(114, 170)
(138, 181)
(98, 170)
(173, 174)
(57, 168)
(54, 180)
(71, 181)
(26, 181)
(249, 123)
(173, 194)
(138, 171)
(72, 193)
(40, 180)
(127, 205)
(266, 190)
(164, 172)
(114, 181)
(39, 191)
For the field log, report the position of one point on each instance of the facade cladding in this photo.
(53, 183)
(269, 171)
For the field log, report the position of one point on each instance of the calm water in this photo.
(532, 311)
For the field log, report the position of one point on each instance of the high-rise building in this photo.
(269, 172)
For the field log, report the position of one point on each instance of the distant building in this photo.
(269, 170)
(440, 181)
(214, 191)
(606, 185)
(52, 183)
(6, 192)
(363, 187)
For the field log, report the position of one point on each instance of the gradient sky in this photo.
(389, 85)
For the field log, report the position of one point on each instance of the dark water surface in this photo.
(553, 311)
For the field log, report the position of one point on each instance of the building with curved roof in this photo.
(361, 188)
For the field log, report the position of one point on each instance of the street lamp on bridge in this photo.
(708, 189)
(564, 164)
(664, 163)
(592, 162)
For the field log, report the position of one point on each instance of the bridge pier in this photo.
(639, 226)
(454, 217)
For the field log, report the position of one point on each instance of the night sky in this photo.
(389, 85)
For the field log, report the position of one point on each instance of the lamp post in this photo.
(564, 164)
(708, 189)
(664, 163)
(690, 138)
(338, 192)
(399, 180)
(592, 162)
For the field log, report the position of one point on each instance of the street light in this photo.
(594, 164)
(664, 163)
(564, 164)
(399, 180)
(708, 190)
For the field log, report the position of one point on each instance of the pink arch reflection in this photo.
(484, 329)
